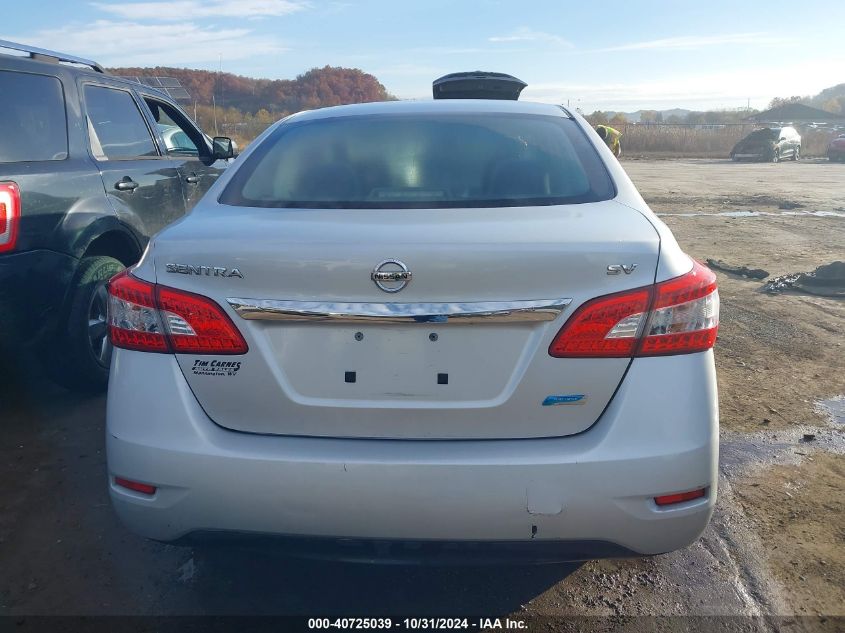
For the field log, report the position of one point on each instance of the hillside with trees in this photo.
(830, 99)
(242, 106)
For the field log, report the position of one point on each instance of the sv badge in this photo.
(616, 269)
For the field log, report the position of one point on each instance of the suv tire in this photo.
(81, 354)
(796, 154)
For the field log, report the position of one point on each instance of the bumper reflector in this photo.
(667, 500)
(146, 489)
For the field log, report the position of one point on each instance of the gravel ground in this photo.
(774, 547)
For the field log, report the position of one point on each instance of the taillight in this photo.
(134, 322)
(678, 316)
(685, 315)
(10, 214)
(606, 327)
(196, 324)
(153, 318)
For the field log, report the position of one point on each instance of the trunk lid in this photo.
(417, 376)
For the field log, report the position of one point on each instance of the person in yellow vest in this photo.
(611, 137)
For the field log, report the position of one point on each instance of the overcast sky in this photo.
(608, 55)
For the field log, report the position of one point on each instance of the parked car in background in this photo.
(836, 148)
(86, 177)
(404, 325)
(769, 144)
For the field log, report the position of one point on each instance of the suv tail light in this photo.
(154, 318)
(678, 316)
(10, 214)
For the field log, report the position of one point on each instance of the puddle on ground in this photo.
(833, 408)
(756, 214)
(739, 452)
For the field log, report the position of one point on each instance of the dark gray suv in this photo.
(771, 144)
(91, 166)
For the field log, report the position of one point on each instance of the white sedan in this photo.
(417, 328)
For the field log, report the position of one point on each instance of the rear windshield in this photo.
(767, 133)
(419, 161)
(32, 118)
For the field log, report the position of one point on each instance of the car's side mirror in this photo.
(222, 147)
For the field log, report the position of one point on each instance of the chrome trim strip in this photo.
(479, 312)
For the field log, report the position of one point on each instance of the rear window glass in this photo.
(33, 125)
(767, 133)
(418, 161)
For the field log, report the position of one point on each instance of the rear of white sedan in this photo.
(451, 325)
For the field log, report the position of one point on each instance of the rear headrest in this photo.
(332, 181)
(518, 177)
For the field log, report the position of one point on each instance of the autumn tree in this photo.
(777, 102)
(618, 119)
(648, 116)
(597, 118)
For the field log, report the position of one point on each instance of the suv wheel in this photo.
(797, 153)
(82, 353)
(776, 157)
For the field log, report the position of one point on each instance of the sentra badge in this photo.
(208, 271)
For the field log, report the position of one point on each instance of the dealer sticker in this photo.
(216, 367)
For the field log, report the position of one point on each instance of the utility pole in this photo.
(214, 113)
(214, 94)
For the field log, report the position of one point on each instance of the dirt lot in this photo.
(777, 356)
(684, 186)
(776, 545)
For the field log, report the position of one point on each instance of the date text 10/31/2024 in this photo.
(480, 624)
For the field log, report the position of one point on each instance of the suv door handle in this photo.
(126, 184)
(192, 179)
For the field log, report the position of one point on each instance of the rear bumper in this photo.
(658, 436)
(753, 156)
(410, 552)
(33, 287)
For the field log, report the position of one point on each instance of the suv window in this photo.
(765, 134)
(417, 161)
(33, 125)
(174, 132)
(115, 125)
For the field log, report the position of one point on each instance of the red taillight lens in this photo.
(197, 325)
(151, 318)
(146, 489)
(678, 316)
(667, 500)
(606, 327)
(10, 214)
